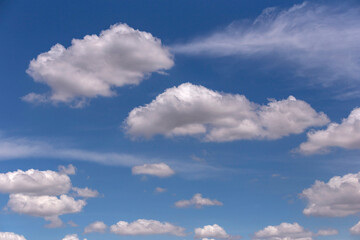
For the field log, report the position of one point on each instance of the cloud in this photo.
(69, 170)
(339, 197)
(146, 227)
(95, 65)
(48, 207)
(34, 182)
(355, 230)
(11, 236)
(218, 117)
(320, 40)
(156, 169)
(71, 237)
(327, 232)
(85, 192)
(160, 190)
(198, 201)
(211, 231)
(344, 135)
(284, 231)
(98, 226)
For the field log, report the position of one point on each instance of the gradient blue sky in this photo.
(258, 180)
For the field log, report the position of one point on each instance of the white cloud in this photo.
(68, 170)
(355, 230)
(197, 111)
(71, 237)
(146, 227)
(211, 231)
(337, 198)
(198, 201)
(85, 192)
(321, 40)
(327, 232)
(284, 231)
(95, 65)
(34, 182)
(156, 169)
(48, 207)
(11, 236)
(160, 189)
(98, 226)
(345, 135)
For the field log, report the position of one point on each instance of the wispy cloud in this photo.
(321, 40)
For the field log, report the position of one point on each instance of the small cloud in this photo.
(156, 169)
(198, 201)
(160, 190)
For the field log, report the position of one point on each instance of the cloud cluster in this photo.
(146, 227)
(321, 40)
(95, 65)
(211, 231)
(198, 201)
(284, 231)
(339, 197)
(97, 226)
(155, 169)
(197, 111)
(42, 193)
(344, 135)
(11, 236)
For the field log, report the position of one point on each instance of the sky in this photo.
(183, 120)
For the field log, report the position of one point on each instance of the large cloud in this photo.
(211, 231)
(155, 169)
(195, 110)
(284, 231)
(48, 207)
(34, 182)
(146, 227)
(344, 135)
(337, 198)
(94, 65)
(198, 201)
(321, 40)
(11, 236)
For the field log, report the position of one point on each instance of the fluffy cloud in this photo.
(355, 230)
(48, 207)
(339, 197)
(98, 226)
(71, 237)
(156, 169)
(85, 192)
(211, 231)
(146, 227)
(284, 231)
(68, 170)
(95, 65)
(195, 110)
(34, 182)
(321, 40)
(344, 135)
(11, 236)
(198, 201)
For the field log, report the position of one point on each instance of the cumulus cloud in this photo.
(197, 111)
(95, 65)
(211, 231)
(198, 201)
(284, 231)
(97, 226)
(156, 169)
(327, 232)
(71, 237)
(48, 207)
(11, 236)
(146, 227)
(85, 192)
(321, 40)
(355, 230)
(344, 135)
(339, 197)
(68, 170)
(34, 182)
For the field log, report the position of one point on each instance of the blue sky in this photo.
(179, 120)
